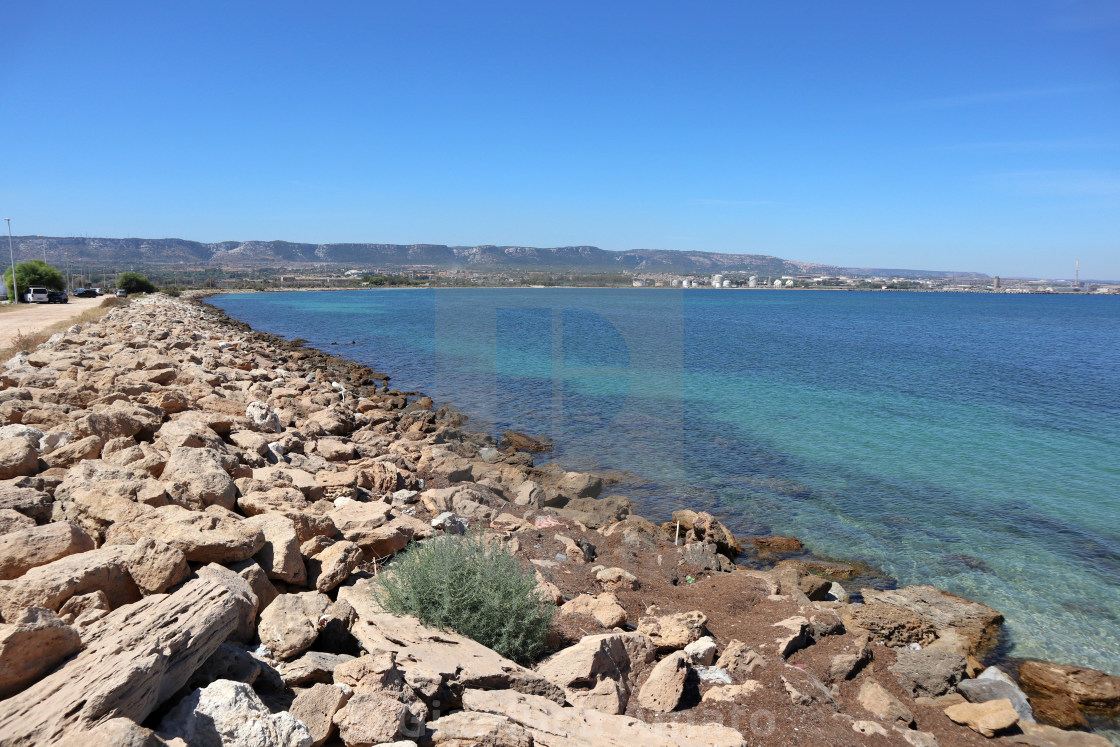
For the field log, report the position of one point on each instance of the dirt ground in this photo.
(32, 317)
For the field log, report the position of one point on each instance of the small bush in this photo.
(484, 593)
(134, 282)
(172, 290)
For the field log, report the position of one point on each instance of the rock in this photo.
(616, 579)
(279, 556)
(17, 458)
(79, 604)
(262, 418)
(50, 585)
(246, 624)
(993, 684)
(333, 565)
(580, 485)
(24, 549)
(847, 665)
(804, 689)
(1086, 687)
(877, 701)
(370, 718)
(798, 636)
(334, 450)
(30, 646)
(156, 566)
(252, 573)
(35, 504)
(12, 521)
(739, 661)
(664, 689)
(71, 454)
(135, 658)
(315, 708)
(449, 523)
(1054, 737)
(706, 556)
(311, 667)
(706, 528)
(525, 442)
(988, 718)
(593, 673)
(895, 626)
(477, 730)
(230, 714)
(701, 652)
(869, 727)
(357, 521)
(674, 632)
(605, 608)
(229, 662)
(928, 673)
(196, 479)
(731, 693)
(1059, 711)
(919, 738)
(291, 623)
(977, 625)
(552, 725)
(204, 537)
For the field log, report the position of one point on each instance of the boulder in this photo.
(593, 673)
(993, 684)
(370, 718)
(673, 632)
(262, 418)
(732, 693)
(987, 718)
(477, 730)
(230, 714)
(605, 608)
(204, 537)
(333, 565)
(315, 708)
(50, 585)
(279, 556)
(1049, 736)
(616, 579)
(24, 549)
(1086, 687)
(739, 661)
(706, 528)
(893, 625)
(664, 689)
(196, 479)
(135, 658)
(12, 521)
(701, 652)
(17, 458)
(356, 520)
(30, 646)
(877, 701)
(334, 450)
(291, 623)
(72, 453)
(311, 667)
(804, 689)
(796, 635)
(928, 673)
(156, 566)
(976, 624)
(32, 503)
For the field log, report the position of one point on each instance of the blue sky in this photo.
(954, 135)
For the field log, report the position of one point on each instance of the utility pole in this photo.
(11, 253)
(1077, 275)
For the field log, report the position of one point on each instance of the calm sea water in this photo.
(967, 441)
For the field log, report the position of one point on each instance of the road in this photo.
(32, 317)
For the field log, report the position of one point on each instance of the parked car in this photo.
(122, 293)
(36, 294)
(99, 291)
(85, 293)
(57, 297)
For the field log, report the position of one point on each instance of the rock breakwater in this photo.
(192, 517)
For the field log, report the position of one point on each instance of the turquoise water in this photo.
(967, 441)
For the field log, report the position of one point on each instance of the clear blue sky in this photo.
(964, 135)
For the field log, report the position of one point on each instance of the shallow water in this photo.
(967, 441)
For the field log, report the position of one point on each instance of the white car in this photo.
(36, 294)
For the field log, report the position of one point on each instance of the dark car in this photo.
(85, 293)
(57, 297)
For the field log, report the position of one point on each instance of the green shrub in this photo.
(34, 272)
(172, 290)
(134, 282)
(485, 593)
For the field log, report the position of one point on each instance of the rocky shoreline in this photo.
(193, 515)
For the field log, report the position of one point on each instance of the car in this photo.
(36, 294)
(122, 293)
(57, 297)
(99, 291)
(85, 293)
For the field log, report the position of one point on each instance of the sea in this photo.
(968, 441)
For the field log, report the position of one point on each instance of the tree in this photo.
(134, 282)
(34, 272)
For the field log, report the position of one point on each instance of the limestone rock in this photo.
(732, 693)
(477, 730)
(34, 504)
(895, 626)
(357, 520)
(315, 709)
(739, 661)
(804, 689)
(701, 652)
(976, 624)
(311, 667)
(928, 673)
(156, 566)
(24, 549)
(291, 623)
(616, 579)
(604, 608)
(674, 632)
(280, 556)
(135, 658)
(262, 418)
(987, 718)
(593, 673)
(877, 701)
(1086, 687)
(1053, 737)
(664, 689)
(204, 537)
(230, 714)
(17, 457)
(370, 718)
(797, 636)
(333, 565)
(993, 684)
(50, 585)
(12, 521)
(196, 479)
(30, 646)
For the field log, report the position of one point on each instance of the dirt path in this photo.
(32, 317)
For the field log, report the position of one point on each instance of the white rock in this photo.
(261, 415)
(229, 714)
(702, 652)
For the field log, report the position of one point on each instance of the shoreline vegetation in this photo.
(195, 516)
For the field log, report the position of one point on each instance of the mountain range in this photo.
(182, 253)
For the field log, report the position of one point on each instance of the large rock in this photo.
(291, 623)
(204, 537)
(604, 607)
(30, 646)
(477, 730)
(739, 660)
(196, 479)
(370, 718)
(156, 566)
(594, 673)
(230, 714)
(135, 659)
(895, 626)
(32, 503)
(553, 726)
(262, 418)
(993, 684)
(988, 718)
(674, 632)
(17, 457)
(280, 556)
(50, 585)
(315, 708)
(954, 618)
(1086, 687)
(22, 550)
(664, 689)
(928, 673)
(357, 521)
(877, 701)
(333, 565)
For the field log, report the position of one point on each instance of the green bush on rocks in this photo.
(483, 592)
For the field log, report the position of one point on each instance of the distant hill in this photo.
(139, 253)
